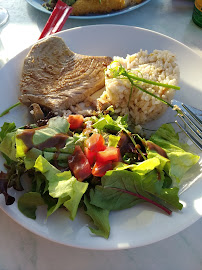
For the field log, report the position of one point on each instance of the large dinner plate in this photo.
(142, 224)
(38, 5)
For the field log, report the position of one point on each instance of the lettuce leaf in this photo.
(5, 129)
(122, 189)
(50, 154)
(4, 187)
(62, 185)
(100, 218)
(108, 123)
(180, 160)
(29, 202)
(7, 146)
(55, 126)
(143, 167)
(30, 158)
(113, 140)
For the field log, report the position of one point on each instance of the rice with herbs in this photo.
(159, 66)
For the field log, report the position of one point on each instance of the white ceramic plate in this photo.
(142, 224)
(38, 5)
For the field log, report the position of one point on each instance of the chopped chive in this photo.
(121, 71)
(10, 108)
(153, 95)
(153, 82)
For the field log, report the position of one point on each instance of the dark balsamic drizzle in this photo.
(58, 141)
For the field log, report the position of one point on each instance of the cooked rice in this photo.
(157, 66)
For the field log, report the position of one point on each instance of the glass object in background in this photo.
(3, 16)
(197, 13)
(3, 58)
(3, 19)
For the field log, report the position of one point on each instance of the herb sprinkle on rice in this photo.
(159, 66)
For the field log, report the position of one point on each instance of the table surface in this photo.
(21, 249)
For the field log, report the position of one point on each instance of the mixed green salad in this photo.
(97, 163)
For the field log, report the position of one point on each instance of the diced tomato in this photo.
(75, 121)
(109, 154)
(91, 155)
(99, 169)
(96, 143)
(79, 165)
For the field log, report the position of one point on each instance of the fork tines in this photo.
(192, 122)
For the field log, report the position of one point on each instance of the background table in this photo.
(21, 249)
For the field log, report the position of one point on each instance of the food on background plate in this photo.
(99, 162)
(84, 7)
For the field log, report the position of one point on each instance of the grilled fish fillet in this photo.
(56, 78)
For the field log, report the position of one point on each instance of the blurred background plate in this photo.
(38, 5)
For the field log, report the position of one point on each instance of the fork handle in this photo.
(57, 19)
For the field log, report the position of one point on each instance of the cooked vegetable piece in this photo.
(91, 155)
(99, 169)
(109, 154)
(75, 121)
(96, 143)
(79, 164)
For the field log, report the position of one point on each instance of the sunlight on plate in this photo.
(198, 205)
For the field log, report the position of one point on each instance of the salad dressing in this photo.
(58, 141)
(27, 137)
(157, 148)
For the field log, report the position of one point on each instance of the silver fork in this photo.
(192, 122)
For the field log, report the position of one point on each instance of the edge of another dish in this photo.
(38, 5)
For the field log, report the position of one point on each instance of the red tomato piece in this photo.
(79, 165)
(96, 143)
(75, 121)
(91, 155)
(109, 154)
(99, 169)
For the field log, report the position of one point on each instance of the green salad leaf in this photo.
(122, 189)
(56, 125)
(62, 185)
(107, 123)
(29, 202)
(7, 146)
(180, 160)
(100, 218)
(111, 195)
(113, 140)
(5, 129)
